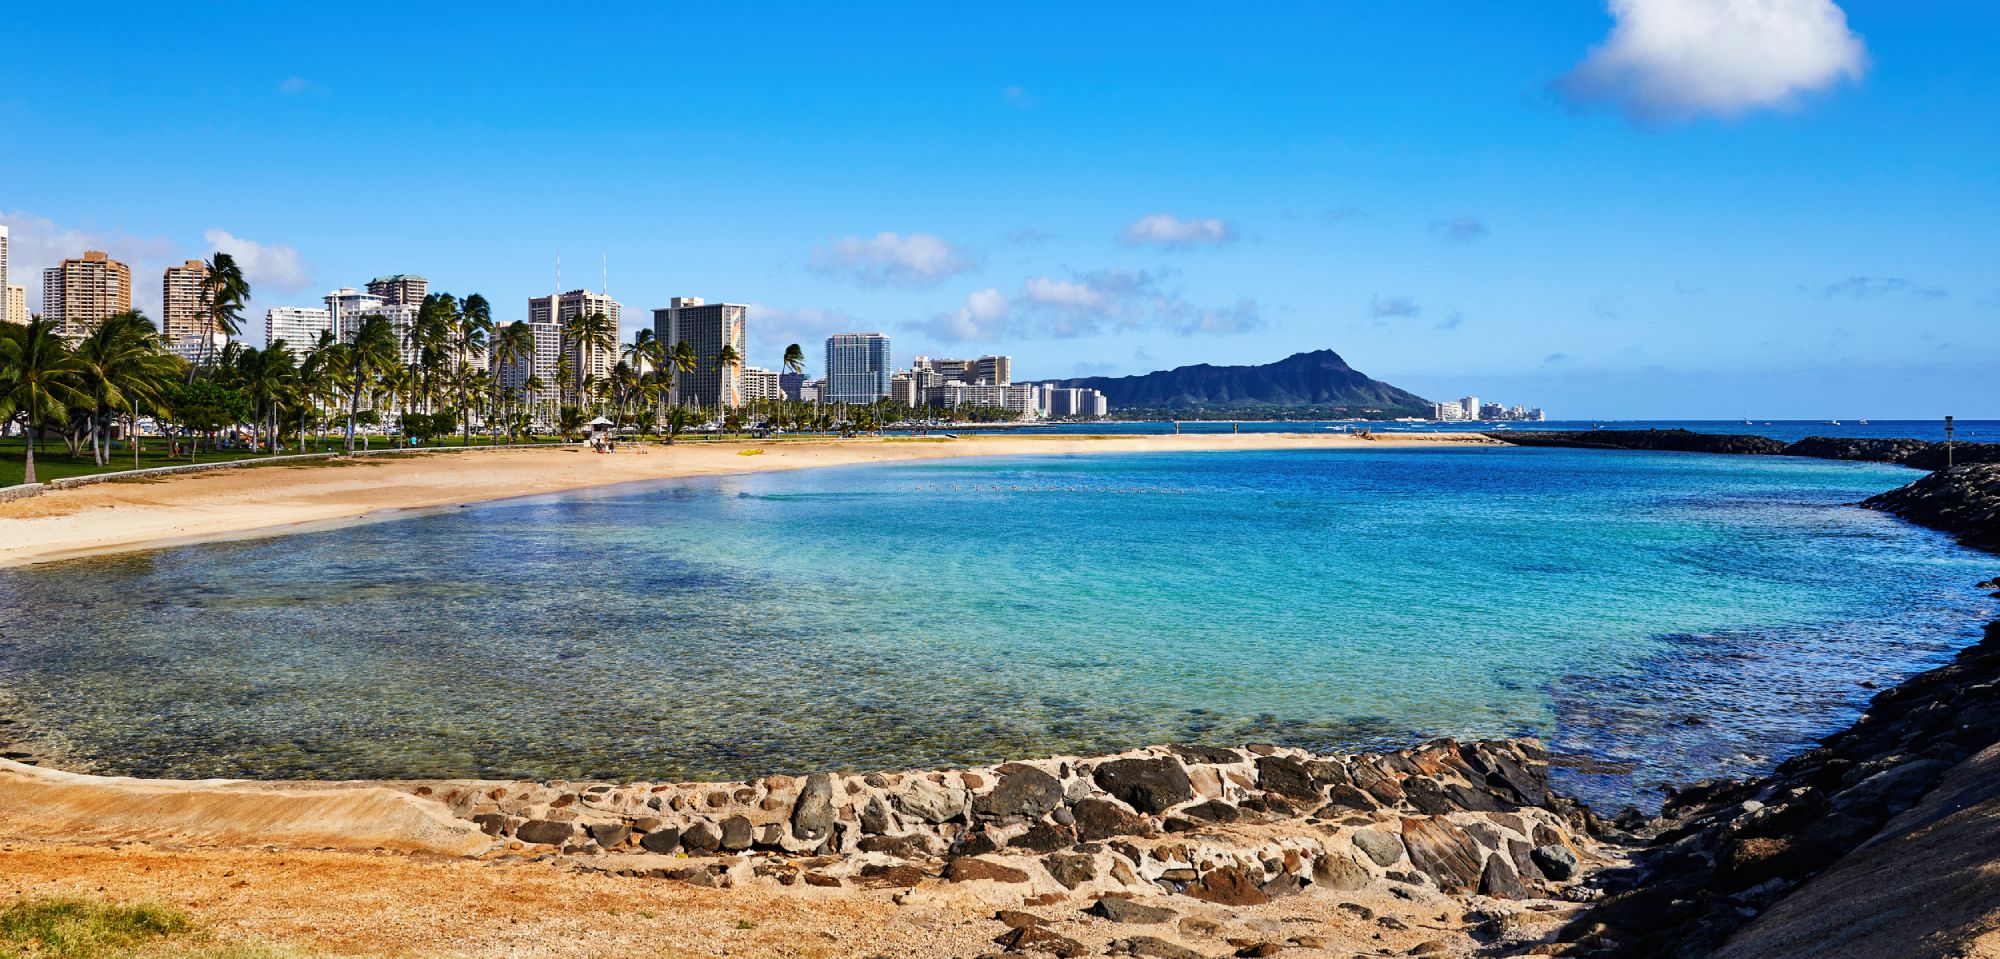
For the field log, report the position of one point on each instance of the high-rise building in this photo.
(348, 306)
(857, 367)
(17, 303)
(513, 373)
(793, 385)
(1470, 405)
(83, 291)
(761, 385)
(986, 370)
(706, 328)
(400, 289)
(585, 360)
(298, 326)
(6, 297)
(1065, 402)
(184, 301)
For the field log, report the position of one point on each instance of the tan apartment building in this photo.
(184, 301)
(400, 289)
(17, 303)
(83, 291)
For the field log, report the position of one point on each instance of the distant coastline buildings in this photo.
(1470, 409)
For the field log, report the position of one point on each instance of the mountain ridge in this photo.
(1316, 379)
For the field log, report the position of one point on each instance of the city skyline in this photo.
(1452, 214)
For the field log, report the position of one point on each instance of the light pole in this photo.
(1947, 442)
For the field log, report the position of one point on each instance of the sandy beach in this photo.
(273, 500)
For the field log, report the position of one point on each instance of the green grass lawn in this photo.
(92, 929)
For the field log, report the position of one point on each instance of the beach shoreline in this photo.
(276, 500)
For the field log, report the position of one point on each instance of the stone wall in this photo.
(1229, 826)
(1963, 501)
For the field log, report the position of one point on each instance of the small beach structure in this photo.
(600, 434)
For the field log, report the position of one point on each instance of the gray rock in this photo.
(1286, 777)
(1150, 786)
(875, 819)
(547, 831)
(1500, 881)
(1555, 861)
(1100, 819)
(1340, 874)
(701, 839)
(1125, 910)
(812, 818)
(1023, 792)
(609, 834)
(1071, 871)
(664, 840)
(929, 801)
(737, 833)
(1383, 848)
(1153, 947)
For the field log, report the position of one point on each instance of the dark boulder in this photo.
(812, 818)
(1286, 777)
(1023, 792)
(1150, 786)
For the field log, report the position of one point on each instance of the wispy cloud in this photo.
(293, 86)
(1459, 229)
(1671, 60)
(808, 326)
(1870, 287)
(1087, 304)
(1451, 321)
(1343, 214)
(914, 260)
(1382, 307)
(273, 265)
(35, 243)
(1169, 232)
(1018, 97)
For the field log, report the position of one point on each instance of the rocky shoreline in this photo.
(1918, 454)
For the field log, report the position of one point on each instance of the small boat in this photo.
(1862, 422)
(1833, 422)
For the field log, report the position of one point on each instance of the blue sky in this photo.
(1652, 208)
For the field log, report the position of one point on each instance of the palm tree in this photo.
(370, 355)
(590, 336)
(726, 361)
(475, 325)
(682, 360)
(678, 419)
(121, 366)
(539, 390)
(37, 379)
(227, 291)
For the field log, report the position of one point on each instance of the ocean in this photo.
(1657, 618)
(1968, 431)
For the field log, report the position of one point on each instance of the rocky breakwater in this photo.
(1963, 501)
(1676, 441)
(1846, 448)
(1722, 853)
(1231, 827)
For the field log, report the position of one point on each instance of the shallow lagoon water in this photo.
(1665, 617)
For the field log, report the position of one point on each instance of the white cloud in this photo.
(777, 327)
(35, 243)
(276, 266)
(1087, 304)
(1171, 232)
(1018, 97)
(1678, 59)
(294, 86)
(915, 260)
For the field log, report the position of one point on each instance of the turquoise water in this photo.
(1664, 616)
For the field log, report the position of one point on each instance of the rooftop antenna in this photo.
(607, 274)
